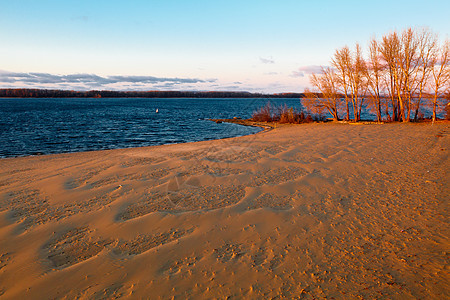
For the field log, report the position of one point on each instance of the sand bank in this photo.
(308, 211)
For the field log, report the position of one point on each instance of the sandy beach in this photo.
(302, 211)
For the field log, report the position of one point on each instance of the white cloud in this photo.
(306, 70)
(267, 60)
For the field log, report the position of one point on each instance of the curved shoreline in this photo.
(266, 128)
(243, 122)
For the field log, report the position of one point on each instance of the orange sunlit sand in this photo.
(309, 210)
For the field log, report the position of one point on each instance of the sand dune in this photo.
(307, 211)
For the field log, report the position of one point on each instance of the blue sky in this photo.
(257, 46)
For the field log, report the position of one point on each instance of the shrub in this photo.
(264, 114)
(290, 115)
(283, 114)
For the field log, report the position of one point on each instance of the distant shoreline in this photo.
(42, 93)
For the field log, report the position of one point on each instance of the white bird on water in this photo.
(157, 110)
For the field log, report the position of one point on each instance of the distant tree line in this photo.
(42, 93)
(401, 73)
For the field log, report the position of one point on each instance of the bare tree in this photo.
(389, 49)
(374, 75)
(427, 51)
(326, 83)
(407, 61)
(440, 71)
(312, 104)
(342, 61)
(357, 82)
(407, 58)
(400, 54)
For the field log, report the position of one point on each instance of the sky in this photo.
(227, 45)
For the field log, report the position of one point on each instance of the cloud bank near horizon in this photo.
(267, 82)
(93, 81)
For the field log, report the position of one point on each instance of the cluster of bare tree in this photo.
(402, 72)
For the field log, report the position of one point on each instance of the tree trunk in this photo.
(360, 108)
(379, 110)
(348, 108)
(388, 116)
(394, 109)
(434, 107)
(408, 109)
(416, 113)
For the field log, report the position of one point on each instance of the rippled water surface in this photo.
(45, 126)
